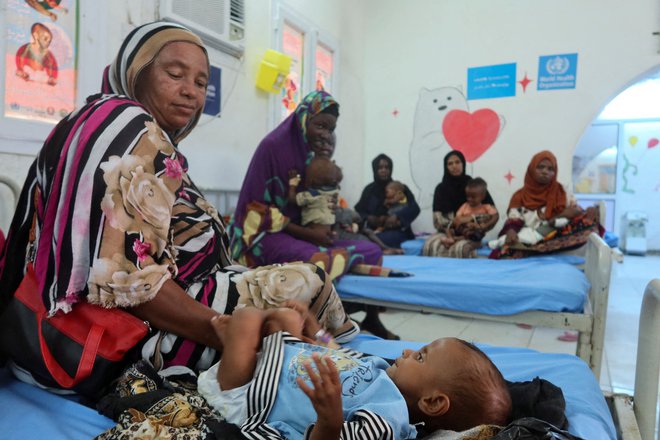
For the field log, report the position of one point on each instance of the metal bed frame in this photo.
(590, 324)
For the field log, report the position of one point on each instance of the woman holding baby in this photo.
(569, 225)
(449, 197)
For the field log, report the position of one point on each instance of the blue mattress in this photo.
(586, 409)
(414, 247)
(494, 287)
(32, 413)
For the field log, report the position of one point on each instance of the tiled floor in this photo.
(628, 281)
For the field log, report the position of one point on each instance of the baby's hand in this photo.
(325, 396)
(294, 178)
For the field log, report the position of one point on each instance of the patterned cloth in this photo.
(262, 213)
(148, 406)
(571, 236)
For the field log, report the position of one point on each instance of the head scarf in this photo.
(449, 195)
(533, 195)
(374, 167)
(314, 103)
(140, 48)
(372, 200)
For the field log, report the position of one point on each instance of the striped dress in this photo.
(118, 216)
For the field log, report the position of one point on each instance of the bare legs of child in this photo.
(241, 335)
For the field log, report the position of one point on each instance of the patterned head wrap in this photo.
(139, 49)
(311, 105)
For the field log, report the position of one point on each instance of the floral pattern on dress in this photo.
(136, 200)
(117, 282)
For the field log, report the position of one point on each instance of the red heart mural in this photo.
(471, 133)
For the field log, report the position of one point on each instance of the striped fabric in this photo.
(118, 215)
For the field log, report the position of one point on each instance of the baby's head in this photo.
(475, 191)
(451, 384)
(395, 192)
(321, 172)
(41, 35)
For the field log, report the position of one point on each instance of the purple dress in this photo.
(257, 229)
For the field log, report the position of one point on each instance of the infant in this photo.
(535, 227)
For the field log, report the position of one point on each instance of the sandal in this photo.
(379, 330)
(568, 336)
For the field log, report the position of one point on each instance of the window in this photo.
(314, 61)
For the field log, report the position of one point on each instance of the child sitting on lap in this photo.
(474, 218)
(319, 200)
(319, 203)
(295, 383)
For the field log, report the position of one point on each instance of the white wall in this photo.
(426, 43)
(389, 50)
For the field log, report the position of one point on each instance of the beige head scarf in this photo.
(139, 50)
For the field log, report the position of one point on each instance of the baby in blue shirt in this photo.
(275, 362)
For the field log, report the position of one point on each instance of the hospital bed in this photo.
(542, 292)
(31, 413)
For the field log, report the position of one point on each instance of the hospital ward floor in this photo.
(628, 281)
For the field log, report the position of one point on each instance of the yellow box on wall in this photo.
(273, 69)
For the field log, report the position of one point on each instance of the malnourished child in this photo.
(296, 383)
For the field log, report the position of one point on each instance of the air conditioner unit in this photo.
(220, 23)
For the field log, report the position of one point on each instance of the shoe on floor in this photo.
(568, 336)
(378, 329)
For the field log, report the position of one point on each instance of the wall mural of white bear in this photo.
(443, 122)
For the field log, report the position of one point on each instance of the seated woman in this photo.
(448, 197)
(395, 228)
(120, 222)
(266, 229)
(545, 195)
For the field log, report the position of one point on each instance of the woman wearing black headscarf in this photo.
(371, 206)
(449, 195)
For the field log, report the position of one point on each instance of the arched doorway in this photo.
(617, 160)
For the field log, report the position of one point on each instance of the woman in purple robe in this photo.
(266, 229)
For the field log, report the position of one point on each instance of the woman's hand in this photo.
(325, 396)
(511, 237)
(311, 324)
(391, 222)
(374, 221)
(321, 236)
(571, 212)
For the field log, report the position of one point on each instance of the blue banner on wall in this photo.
(213, 92)
(492, 81)
(557, 71)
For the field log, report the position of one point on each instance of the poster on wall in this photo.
(324, 68)
(496, 81)
(293, 42)
(212, 105)
(40, 59)
(557, 71)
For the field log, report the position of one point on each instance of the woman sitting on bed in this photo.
(266, 229)
(119, 221)
(394, 227)
(544, 194)
(448, 197)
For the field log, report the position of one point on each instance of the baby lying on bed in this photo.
(288, 385)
